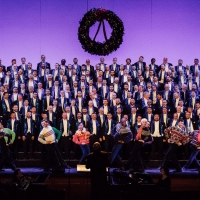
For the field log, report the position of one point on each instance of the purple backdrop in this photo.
(153, 28)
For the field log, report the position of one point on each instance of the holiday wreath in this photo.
(111, 44)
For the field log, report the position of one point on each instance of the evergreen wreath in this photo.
(109, 45)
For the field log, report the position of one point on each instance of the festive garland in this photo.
(111, 44)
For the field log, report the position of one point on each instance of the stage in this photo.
(74, 180)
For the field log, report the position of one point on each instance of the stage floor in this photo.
(81, 169)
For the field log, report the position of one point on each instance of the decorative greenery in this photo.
(111, 44)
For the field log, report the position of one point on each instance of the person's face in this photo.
(56, 66)
(139, 119)
(6, 96)
(187, 115)
(123, 122)
(88, 62)
(109, 116)
(196, 62)
(132, 101)
(80, 126)
(149, 110)
(50, 108)
(94, 116)
(35, 95)
(13, 115)
(175, 116)
(43, 58)
(47, 92)
(180, 62)
(79, 94)
(79, 115)
(15, 108)
(105, 102)
(75, 61)
(63, 61)
(102, 60)
(133, 110)
(46, 124)
(19, 175)
(26, 103)
(67, 109)
(15, 90)
(153, 61)
(111, 88)
(112, 73)
(8, 73)
(129, 95)
(64, 116)
(165, 60)
(156, 117)
(101, 111)
(1, 126)
(114, 60)
(13, 62)
(33, 110)
(119, 111)
(84, 111)
(141, 59)
(126, 87)
(146, 95)
(28, 114)
(162, 171)
(164, 111)
(128, 61)
(23, 60)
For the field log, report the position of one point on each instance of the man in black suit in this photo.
(28, 136)
(14, 125)
(3, 67)
(39, 65)
(157, 134)
(23, 66)
(97, 161)
(153, 66)
(195, 67)
(13, 62)
(65, 129)
(108, 137)
(94, 129)
(140, 65)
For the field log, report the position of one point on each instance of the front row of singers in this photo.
(122, 134)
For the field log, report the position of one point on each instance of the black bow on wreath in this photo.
(101, 15)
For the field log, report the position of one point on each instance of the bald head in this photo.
(96, 146)
(123, 122)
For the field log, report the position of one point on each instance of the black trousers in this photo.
(157, 145)
(6, 156)
(135, 155)
(28, 145)
(52, 159)
(193, 157)
(16, 146)
(109, 141)
(60, 157)
(171, 154)
(64, 145)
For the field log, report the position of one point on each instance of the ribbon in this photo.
(104, 30)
